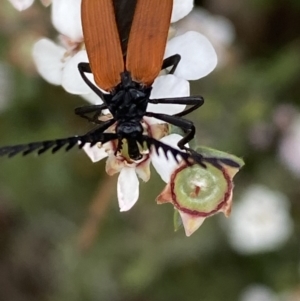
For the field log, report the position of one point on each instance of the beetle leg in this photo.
(96, 109)
(186, 125)
(194, 101)
(85, 68)
(171, 61)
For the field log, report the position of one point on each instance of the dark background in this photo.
(62, 236)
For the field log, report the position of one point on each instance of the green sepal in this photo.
(177, 220)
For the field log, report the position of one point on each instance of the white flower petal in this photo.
(128, 188)
(21, 4)
(72, 80)
(181, 8)
(66, 18)
(92, 98)
(113, 164)
(95, 153)
(48, 58)
(170, 86)
(152, 121)
(165, 167)
(198, 57)
(167, 86)
(143, 170)
(73, 83)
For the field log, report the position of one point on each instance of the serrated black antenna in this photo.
(230, 162)
(96, 136)
(189, 156)
(56, 144)
(166, 149)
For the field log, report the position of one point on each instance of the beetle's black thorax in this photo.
(129, 100)
(128, 104)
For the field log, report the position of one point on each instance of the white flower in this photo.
(21, 4)
(181, 8)
(289, 147)
(219, 30)
(198, 57)
(128, 184)
(257, 292)
(24, 4)
(66, 18)
(260, 222)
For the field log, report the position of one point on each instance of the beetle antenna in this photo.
(57, 144)
(174, 152)
(190, 156)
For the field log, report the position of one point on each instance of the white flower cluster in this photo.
(260, 222)
(57, 63)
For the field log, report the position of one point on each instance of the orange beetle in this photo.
(126, 62)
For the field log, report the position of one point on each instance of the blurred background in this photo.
(62, 236)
